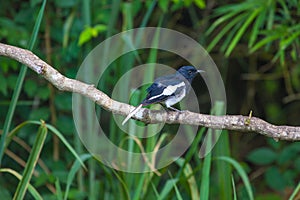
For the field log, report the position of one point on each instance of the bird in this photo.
(169, 89)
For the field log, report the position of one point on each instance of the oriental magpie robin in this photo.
(168, 89)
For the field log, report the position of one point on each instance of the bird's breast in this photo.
(176, 97)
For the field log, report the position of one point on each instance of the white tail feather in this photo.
(132, 113)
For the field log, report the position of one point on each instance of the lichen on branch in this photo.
(228, 122)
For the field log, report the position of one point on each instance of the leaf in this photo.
(30, 88)
(295, 192)
(75, 167)
(200, 4)
(20, 80)
(43, 92)
(100, 28)
(85, 36)
(34, 2)
(219, 21)
(256, 27)
(274, 179)
(273, 144)
(271, 86)
(31, 163)
(227, 28)
(65, 3)
(289, 154)
(3, 85)
(59, 194)
(188, 173)
(67, 28)
(268, 196)
(167, 188)
(233, 188)
(297, 164)
(89, 32)
(262, 156)
(163, 4)
(53, 130)
(40, 113)
(62, 101)
(241, 172)
(263, 42)
(187, 3)
(11, 81)
(290, 40)
(65, 124)
(5, 194)
(31, 189)
(241, 32)
(206, 170)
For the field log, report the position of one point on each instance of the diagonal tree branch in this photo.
(229, 122)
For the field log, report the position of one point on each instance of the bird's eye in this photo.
(190, 72)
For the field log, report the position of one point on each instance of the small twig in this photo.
(229, 122)
(292, 97)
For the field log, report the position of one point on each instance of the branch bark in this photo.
(229, 122)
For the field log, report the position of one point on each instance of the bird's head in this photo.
(189, 72)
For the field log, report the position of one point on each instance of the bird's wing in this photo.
(162, 88)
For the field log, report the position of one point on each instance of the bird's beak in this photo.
(200, 71)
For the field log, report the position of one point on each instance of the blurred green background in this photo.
(255, 44)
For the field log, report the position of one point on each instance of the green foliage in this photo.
(278, 183)
(279, 163)
(268, 22)
(177, 4)
(241, 173)
(91, 32)
(31, 189)
(262, 156)
(19, 84)
(3, 85)
(268, 30)
(32, 160)
(296, 191)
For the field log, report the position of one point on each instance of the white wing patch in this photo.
(175, 99)
(169, 90)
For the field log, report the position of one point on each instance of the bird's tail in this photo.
(132, 113)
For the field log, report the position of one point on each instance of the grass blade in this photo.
(218, 109)
(192, 150)
(59, 194)
(66, 143)
(256, 27)
(227, 28)
(223, 169)
(219, 21)
(75, 167)
(155, 190)
(31, 189)
(188, 173)
(17, 90)
(241, 32)
(204, 188)
(148, 14)
(265, 41)
(233, 188)
(241, 172)
(176, 188)
(167, 188)
(53, 130)
(32, 160)
(296, 191)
